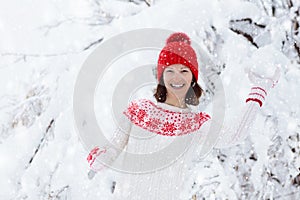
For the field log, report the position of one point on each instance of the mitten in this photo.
(261, 85)
(100, 158)
(93, 155)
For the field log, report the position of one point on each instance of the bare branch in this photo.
(249, 23)
(246, 35)
(40, 144)
(290, 3)
(92, 44)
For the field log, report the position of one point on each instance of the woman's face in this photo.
(177, 79)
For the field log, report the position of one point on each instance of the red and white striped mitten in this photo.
(261, 85)
(257, 94)
(92, 158)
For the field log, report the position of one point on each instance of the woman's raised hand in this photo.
(266, 82)
(261, 85)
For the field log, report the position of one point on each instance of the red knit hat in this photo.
(178, 50)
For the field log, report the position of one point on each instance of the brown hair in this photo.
(192, 96)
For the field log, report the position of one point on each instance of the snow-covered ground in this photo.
(44, 44)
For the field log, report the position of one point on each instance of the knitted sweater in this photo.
(171, 137)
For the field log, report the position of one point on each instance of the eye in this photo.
(169, 70)
(184, 70)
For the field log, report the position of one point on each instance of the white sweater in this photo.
(155, 143)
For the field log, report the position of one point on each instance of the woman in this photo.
(169, 118)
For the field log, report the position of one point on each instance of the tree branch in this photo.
(40, 144)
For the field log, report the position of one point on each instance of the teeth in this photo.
(177, 86)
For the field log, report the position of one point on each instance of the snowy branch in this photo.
(41, 143)
(247, 28)
(92, 44)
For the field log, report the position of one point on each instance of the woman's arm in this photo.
(108, 154)
(253, 103)
(234, 135)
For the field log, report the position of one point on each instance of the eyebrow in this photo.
(180, 68)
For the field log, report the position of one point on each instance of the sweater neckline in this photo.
(168, 107)
(164, 119)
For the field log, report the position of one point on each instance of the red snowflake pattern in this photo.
(168, 128)
(185, 125)
(141, 114)
(147, 115)
(133, 108)
(153, 124)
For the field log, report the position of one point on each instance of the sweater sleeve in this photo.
(236, 134)
(214, 134)
(233, 135)
(102, 156)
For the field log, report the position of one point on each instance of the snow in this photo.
(42, 52)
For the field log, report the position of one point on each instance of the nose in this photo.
(177, 76)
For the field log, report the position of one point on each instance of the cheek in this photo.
(166, 77)
(189, 78)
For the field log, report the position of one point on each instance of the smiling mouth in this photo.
(177, 86)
